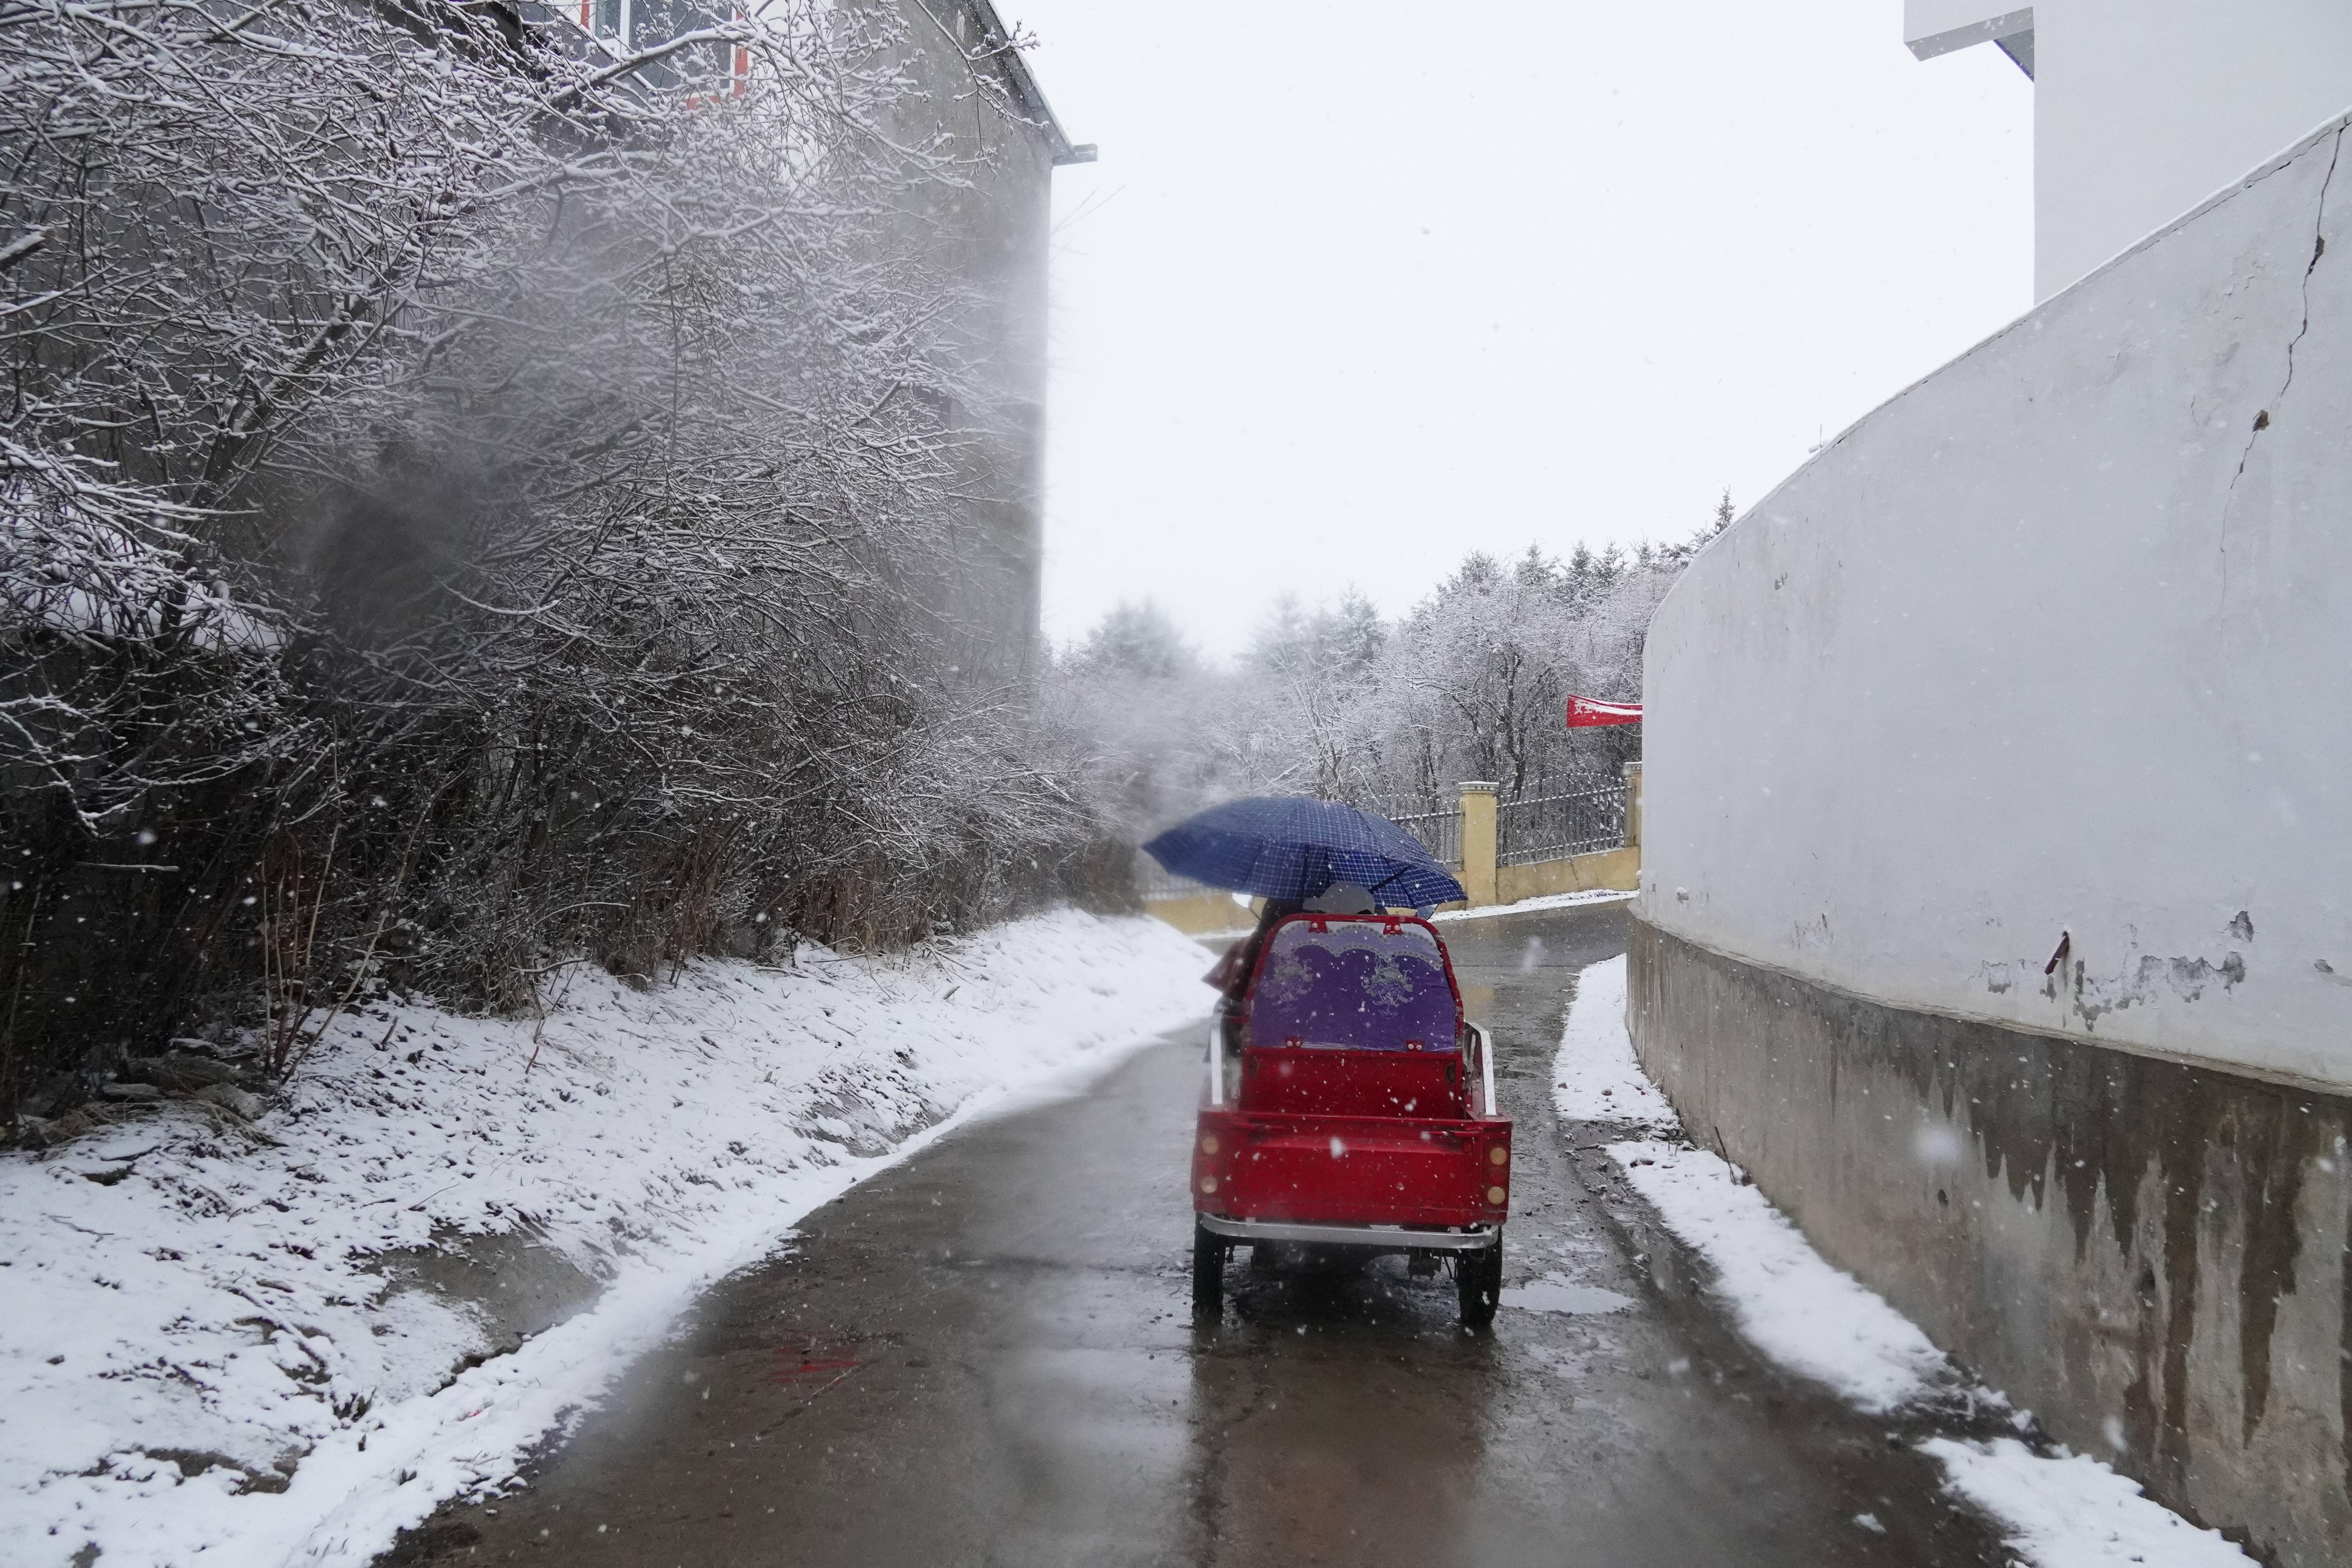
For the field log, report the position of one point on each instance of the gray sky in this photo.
(1358, 288)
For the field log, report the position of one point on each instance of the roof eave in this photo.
(1023, 82)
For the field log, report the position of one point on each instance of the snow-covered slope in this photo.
(232, 1343)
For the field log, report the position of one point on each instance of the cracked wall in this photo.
(1996, 909)
(2025, 701)
(2142, 108)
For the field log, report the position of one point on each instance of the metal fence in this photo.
(1159, 886)
(1440, 833)
(1586, 818)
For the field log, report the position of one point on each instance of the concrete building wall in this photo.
(2144, 108)
(992, 229)
(2151, 1256)
(2052, 648)
(1996, 900)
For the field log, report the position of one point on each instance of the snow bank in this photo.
(203, 1350)
(1595, 1077)
(2057, 1509)
(1816, 1321)
(2075, 1512)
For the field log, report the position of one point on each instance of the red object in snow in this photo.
(1583, 712)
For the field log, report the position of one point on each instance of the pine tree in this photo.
(1138, 639)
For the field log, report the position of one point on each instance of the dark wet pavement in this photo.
(986, 1355)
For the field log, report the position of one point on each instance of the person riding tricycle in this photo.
(1348, 1103)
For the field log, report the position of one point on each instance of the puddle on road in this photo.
(1557, 1293)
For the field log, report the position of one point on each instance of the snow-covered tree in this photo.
(1138, 640)
(1331, 701)
(469, 501)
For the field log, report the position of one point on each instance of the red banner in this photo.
(1583, 712)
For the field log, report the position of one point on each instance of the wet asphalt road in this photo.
(986, 1356)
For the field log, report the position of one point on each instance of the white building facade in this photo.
(1996, 905)
(2142, 108)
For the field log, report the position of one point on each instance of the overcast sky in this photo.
(1356, 288)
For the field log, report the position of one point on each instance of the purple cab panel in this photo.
(1359, 983)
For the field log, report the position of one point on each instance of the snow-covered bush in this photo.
(468, 502)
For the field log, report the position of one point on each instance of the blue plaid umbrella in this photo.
(1284, 848)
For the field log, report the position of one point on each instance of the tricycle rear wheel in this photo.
(1209, 1250)
(1480, 1276)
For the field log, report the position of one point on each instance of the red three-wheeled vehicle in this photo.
(1348, 1104)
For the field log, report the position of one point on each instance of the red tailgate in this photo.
(1352, 1169)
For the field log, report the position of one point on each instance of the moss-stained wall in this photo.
(2155, 1257)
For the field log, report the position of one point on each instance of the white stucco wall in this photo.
(2144, 108)
(2056, 641)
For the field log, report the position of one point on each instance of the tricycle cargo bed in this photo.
(1352, 1169)
(1333, 1082)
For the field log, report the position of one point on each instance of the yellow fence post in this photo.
(1478, 841)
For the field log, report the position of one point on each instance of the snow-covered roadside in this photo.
(1595, 1077)
(2057, 1509)
(1788, 1300)
(1547, 901)
(2069, 1511)
(197, 1358)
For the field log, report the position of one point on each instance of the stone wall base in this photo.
(1617, 868)
(1204, 914)
(2153, 1257)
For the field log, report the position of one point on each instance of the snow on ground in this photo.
(2057, 1509)
(1814, 1320)
(2075, 1510)
(1595, 1077)
(1548, 902)
(197, 1357)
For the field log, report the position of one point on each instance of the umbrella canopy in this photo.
(1289, 848)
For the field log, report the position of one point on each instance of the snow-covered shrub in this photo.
(466, 503)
